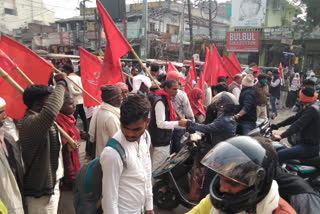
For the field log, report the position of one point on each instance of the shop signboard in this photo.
(243, 41)
(248, 13)
(278, 33)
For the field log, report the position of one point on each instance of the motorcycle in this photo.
(173, 177)
(308, 169)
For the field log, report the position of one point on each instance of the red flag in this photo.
(235, 61)
(6, 63)
(280, 68)
(200, 84)
(192, 75)
(91, 67)
(116, 47)
(230, 68)
(208, 66)
(215, 67)
(173, 73)
(35, 67)
(171, 67)
(255, 68)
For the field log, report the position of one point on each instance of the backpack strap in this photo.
(113, 143)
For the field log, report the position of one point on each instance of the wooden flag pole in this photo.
(14, 84)
(121, 73)
(24, 75)
(144, 68)
(82, 89)
(128, 75)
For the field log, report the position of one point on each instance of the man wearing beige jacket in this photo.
(105, 121)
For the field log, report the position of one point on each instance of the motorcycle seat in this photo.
(311, 161)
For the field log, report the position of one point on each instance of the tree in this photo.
(312, 9)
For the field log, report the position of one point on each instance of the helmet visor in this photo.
(233, 163)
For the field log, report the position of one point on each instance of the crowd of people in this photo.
(147, 122)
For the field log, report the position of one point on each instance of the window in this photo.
(10, 7)
(10, 11)
(276, 4)
(152, 27)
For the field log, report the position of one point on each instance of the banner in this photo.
(248, 13)
(243, 41)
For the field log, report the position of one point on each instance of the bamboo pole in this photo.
(128, 75)
(82, 89)
(144, 68)
(121, 73)
(14, 84)
(24, 75)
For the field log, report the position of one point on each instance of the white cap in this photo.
(137, 80)
(2, 103)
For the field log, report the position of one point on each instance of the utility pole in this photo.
(144, 29)
(96, 28)
(210, 20)
(84, 22)
(181, 32)
(190, 27)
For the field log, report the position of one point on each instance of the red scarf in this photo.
(67, 122)
(70, 159)
(195, 102)
(161, 92)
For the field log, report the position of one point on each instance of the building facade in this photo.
(16, 14)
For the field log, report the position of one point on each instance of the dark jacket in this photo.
(247, 101)
(159, 137)
(38, 137)
(275, 91)
(220, 129)
(305, 122)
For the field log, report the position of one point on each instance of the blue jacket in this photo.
(247, 102)
(220, 129)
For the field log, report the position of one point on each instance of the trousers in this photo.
(44, 204)
(298, 151)
(159, 155)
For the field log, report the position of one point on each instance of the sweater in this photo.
(38, 137)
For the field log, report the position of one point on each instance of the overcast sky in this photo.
(68, 8)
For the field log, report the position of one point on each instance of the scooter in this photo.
(174, 175)
(308, 169)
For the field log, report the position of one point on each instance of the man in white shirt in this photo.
(183, 110)
(163, 121)
(128, 188)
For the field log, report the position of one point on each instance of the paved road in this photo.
(66, 200)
